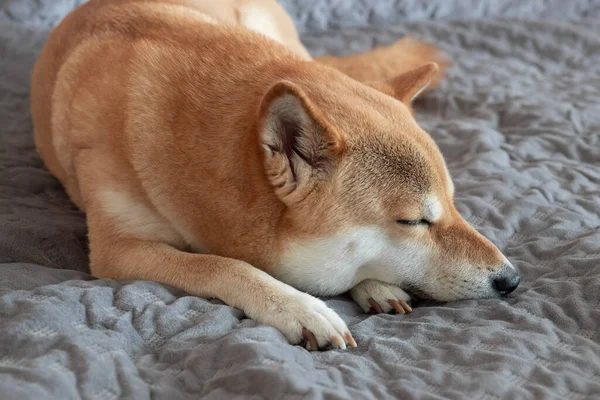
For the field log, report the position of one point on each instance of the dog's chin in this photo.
(416, 293)
(423, 296)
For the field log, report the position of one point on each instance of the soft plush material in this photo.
(518, 121)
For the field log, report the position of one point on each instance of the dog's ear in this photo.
(407, 86)
(299, 145)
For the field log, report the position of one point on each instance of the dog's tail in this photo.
(385, 62)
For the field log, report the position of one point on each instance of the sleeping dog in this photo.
(210, 153)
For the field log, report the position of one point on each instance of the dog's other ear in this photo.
(298, 144)
(408, 85)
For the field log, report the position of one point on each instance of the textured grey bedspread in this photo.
(519, 123)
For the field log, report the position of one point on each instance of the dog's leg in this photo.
(130, 239)
(380, 297)
(297, 315)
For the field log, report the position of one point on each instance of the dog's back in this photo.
(102, 34)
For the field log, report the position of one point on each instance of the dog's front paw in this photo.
(380, 297)
(305, 319)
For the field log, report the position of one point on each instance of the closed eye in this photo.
(417, 222)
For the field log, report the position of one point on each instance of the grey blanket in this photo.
(519, 123)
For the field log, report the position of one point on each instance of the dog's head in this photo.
(368, 194)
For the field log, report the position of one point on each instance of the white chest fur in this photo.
(333, 265)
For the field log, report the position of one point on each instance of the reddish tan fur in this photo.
(385, 62)
(152, 118)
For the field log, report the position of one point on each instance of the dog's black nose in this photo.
(507, 282)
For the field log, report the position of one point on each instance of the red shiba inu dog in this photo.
(210, 157)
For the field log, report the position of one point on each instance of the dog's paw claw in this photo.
(350, 340)
(310, 340)
(375, 306)
(405, 305)
(307, 321)
(379, 297)
(311, 343)
(335, 341)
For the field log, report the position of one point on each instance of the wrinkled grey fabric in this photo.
(518, 120)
